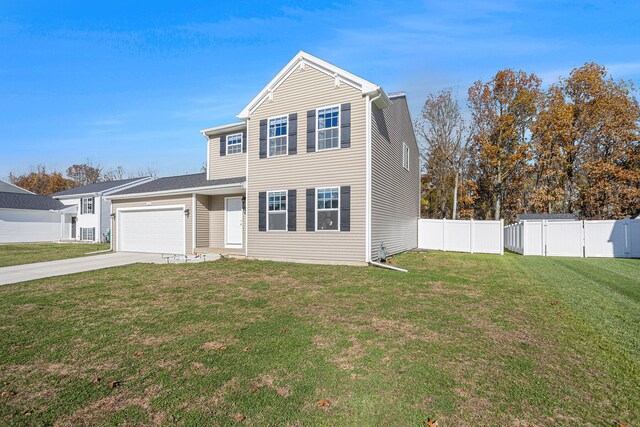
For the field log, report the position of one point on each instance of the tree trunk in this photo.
(455, 198)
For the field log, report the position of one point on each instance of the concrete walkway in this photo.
(40, 270)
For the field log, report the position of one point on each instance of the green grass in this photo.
(467, 339)
(27, 253)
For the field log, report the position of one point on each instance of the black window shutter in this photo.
(223, 145)
(263, 138)
(244, 141)
(345, 208)
(93, 205)
(311, 131)
(291, 210)
(311, 209)
(262, 211)
(345, 125)
(293, 133)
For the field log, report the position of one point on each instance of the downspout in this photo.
(369, 104)
(390, 267)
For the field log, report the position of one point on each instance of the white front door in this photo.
(233, 222)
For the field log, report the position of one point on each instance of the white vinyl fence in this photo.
(461, 235)
(605, 239)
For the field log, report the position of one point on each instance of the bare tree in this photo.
(444, 137)
(85, 173)
(115, 174)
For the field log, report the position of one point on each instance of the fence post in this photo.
(502, 237)
(444, 234)
(627, 238)
(471, 236)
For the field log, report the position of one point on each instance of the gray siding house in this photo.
(323, 166)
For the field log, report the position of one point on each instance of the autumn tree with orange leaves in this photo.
(41, 182)
(502, 111)
(586, 147)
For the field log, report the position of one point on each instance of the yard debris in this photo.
(246, 349)
(95, 379)
(8, 393)
(431, 422)
(554, 302)
(212, 345)
(323, 403)
(239, 418)
(138, 353)
(114, 384)
(619, 424)
(284, 330)
(255, 388)
(27, 413)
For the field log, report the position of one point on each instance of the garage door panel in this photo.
(153, 230)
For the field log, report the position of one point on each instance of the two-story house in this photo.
(323, 166)
(85, 216)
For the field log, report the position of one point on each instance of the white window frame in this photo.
(286, 153)
(86, 230)
(328, 187)
(339, 128)
(236, 143)
(405, 156)
(84, 211)
(286, 212)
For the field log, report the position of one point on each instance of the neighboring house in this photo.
(6, 187)
(27, 217)
(322, 167)
(546, 217)
(86, 213)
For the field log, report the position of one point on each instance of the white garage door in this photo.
(159, 230)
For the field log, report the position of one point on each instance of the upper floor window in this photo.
(328, 128)
(234, 143)
(405, 156)
(328, 208)
(277, 210)
(277, 136)
(86, 205)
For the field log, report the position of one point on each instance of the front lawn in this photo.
(467, 339)
(27, 253)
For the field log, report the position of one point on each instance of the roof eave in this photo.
(175, 191)
(217, 130)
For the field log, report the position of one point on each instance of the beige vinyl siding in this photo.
(150, 202)
(229, 166)
(305, 90)
(216, 221)
(202, 221)
(395, 192)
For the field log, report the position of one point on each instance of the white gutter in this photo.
(176, 191)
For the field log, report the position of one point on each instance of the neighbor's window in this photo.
(234, 143)
(328, 208)
(87, 205)
(277, 212)
(405, 156)
(278, 136)
(328, 128)
(87, 233)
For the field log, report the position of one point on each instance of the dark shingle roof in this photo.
(28, 201)
(96, 188)
(548, 217)
(179, 182)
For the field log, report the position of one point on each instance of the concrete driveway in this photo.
(40, 270)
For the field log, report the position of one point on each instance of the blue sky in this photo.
(131, 83)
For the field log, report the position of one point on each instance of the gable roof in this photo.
(12, 188)
(548, 217)
(98, 187)
(28, 201)
(304, 59)
(180, 182)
